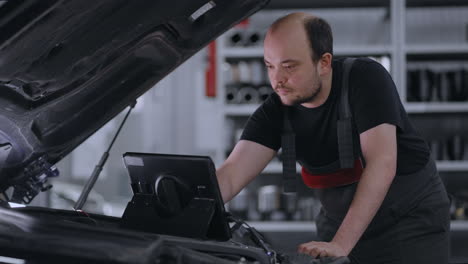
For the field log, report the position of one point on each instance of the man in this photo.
(392, 206)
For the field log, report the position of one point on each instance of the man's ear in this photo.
(325, 63)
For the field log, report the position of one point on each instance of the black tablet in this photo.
(195, 176)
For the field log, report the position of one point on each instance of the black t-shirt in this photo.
(373, 100)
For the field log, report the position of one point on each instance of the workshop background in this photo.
(201, 108)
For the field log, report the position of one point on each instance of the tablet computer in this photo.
(195, 176)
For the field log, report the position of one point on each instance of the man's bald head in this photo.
(317, 30)
(291, 19)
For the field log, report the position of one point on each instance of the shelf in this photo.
(284, 226)
(433, 3)
(240, 110)
(459, 225)
(243, 52)
(436, 107)
(364, 50)
(461, 165)
(257, 52)
(305, 226)
(277, 167)
(427, 107)
(436, 49)
(442, 166)
(304, 4)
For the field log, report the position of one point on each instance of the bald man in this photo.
(390, 206)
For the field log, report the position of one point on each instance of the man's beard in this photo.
(301, 100)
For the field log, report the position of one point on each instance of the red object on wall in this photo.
(210, 75)
(243, 24)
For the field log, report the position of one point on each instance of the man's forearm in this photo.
(371, 191)
(246, 161)
(224, 183)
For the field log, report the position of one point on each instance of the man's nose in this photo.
(279, 76)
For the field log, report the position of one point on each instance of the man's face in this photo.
(292, 73)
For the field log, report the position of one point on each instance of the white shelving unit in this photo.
(391, 28)
(444, 39)
(379, 21)
(397, 48)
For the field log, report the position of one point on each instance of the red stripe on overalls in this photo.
(339, 178)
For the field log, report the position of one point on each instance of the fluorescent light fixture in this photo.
(16, 205)
(202, 10)
(8, 260)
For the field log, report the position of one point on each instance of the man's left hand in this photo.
(321, 249)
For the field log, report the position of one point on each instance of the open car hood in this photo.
(40, 235)
(67, 67)
(44, 235)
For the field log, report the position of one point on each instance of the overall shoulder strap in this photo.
(288, 147)
(344, 126)
(345, 110)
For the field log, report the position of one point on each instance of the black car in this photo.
(67, 67)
